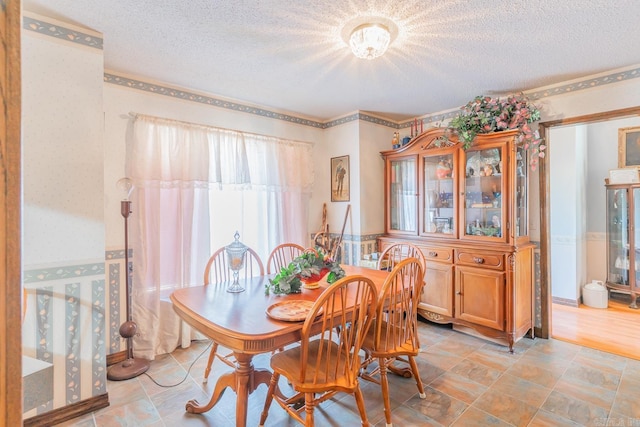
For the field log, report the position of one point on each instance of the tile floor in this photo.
(468, 381)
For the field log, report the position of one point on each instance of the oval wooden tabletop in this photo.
(239, 320)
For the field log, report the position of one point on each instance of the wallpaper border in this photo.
(49, 29)
(65, 272)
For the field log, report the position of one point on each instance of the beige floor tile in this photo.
(505, 407)
(494, 357)
(136, 413)
(476, 417)
(626, 400)
(405, 416)
(579, 411)
(438, 406)
(518, 388)
(548, 419)
(587, 392)
(546, 376)
(477, 372)
(460, 345)
(458, 387)
(468, 382)
(438, 358)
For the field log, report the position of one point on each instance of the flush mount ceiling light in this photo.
(369, 41)
(369, 37)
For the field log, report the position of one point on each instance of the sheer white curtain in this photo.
(194, 186)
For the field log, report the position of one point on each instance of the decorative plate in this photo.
(290, 310)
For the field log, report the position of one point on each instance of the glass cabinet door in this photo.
(402, 195)
(522, 208)
(618, 236)
(439, 195)
(483, 211)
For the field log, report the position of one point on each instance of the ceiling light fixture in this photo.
(369, 41)
(369, 36)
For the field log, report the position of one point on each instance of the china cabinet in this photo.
(623, 212)
(467, 210)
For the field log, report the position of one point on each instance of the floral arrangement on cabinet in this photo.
(485, 114)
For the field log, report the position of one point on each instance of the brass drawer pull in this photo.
(433, 254)
(478, 260)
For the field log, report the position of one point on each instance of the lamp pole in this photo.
(131, 367)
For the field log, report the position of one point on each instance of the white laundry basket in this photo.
(595, 295)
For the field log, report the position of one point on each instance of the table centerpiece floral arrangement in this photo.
(485, 114)
(311, 266)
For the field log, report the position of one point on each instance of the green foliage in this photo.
(310, 263)
(485, 115)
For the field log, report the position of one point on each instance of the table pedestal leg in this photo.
(243, 380)
(244, 369)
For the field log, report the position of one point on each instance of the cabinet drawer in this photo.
(437, 254)
(481, 259)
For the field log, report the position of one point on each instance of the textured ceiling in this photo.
(290, 56)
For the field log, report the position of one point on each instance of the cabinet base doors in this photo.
(437, 294)
(480, 296)
(478, 289)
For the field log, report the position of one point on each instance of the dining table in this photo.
(241, 323)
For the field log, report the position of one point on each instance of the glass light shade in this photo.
(236, 252)
(125, 185)
(369, 41)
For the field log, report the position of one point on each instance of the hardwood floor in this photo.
(615, 329)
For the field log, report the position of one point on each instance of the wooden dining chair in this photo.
(393, 336)
(326, 361)
(282, 255)
(218, 272)
(388, 259)
(395, 253)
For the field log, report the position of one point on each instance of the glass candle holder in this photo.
(236, 254)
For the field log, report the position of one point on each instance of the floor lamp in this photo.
(131, 367)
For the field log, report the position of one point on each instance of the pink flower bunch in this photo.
(485, 115)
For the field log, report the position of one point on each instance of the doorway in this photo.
(582, 240)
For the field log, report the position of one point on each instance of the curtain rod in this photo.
(136, 115)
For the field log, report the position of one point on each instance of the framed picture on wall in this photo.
(629, 147)
(340, 181)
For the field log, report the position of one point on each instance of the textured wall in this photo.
(63, 151)
(63, 210)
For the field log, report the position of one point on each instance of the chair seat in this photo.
(327, 361)
(406, 348)
(287, 363)
(393, 333)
